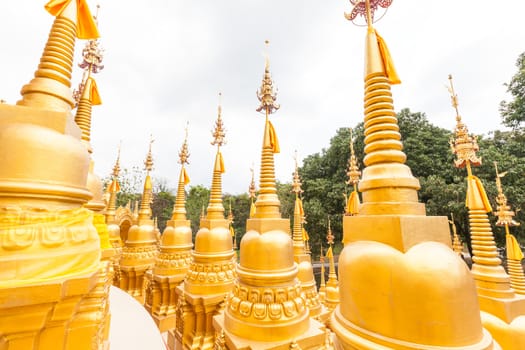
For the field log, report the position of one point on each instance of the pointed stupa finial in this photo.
(147, 195)
(179, 209)
(322, 284)
(329, 236)
(266, 95)
(354, 175)
(504, 213)
(366, 9)
(51, 86)
(464, 146)
(268, 204)
(296, 185)
(114, 187)
(87, 94)
(215, 206)
(514, 253)
(457, 246)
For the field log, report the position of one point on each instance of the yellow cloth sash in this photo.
(513, 248)
(185, 177)
(86, 26)
(388, 63)
(353, 203)
(476, 196)
(94, 96)
(219, 163)
(252, 210)
(274, 142)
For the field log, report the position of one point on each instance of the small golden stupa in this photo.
(394, 255)
(174, 258)
(212, 271)
(267, 308)
(457, 246)
(140, 248)
(331, 299)
(322, 284)
(50, 250)
(514, 254)
(301, 257)
(503, 312)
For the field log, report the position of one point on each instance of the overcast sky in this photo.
(167, 60)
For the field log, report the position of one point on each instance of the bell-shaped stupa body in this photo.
(140, 248)
(173, 260)
(400, 283)
(267, 308)
(50, 250)
(212, 271)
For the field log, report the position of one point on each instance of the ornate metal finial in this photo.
(219, 132)
(503, 212)
(252, 189)
(148, 163)
(230, 213)
(464, 146)
(367, 9)
(353, 173)
(296, 186)
(184, 154)
(116, 167)
(266, 95)
(329, 236)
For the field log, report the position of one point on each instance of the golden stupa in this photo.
(211, 273)
(457, 246)
(50, 251)
(503, 312)
(514, 254)
(393, 254)
(174, 258)
(140, 247)
(267, 307)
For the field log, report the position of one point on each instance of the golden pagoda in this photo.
(211, 273)
(354, 174)
(457, 246)
(301, 257)
(331, 299)
(267, 308)
(111, 219)
(174, 258)
(252, 194)
(503, 312)
(322, 284)
(400, 283)
(50, 250)
(140, 247)
(514, 254)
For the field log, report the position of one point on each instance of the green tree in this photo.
(513, 112)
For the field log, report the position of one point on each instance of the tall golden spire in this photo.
(457, 246)
(215, 206)
(51, 86)
(179, 209)
(332, 286)
(147, 195)
(252, 194)
(113, 189)
(297, 232)
(268, 204)
(329, 236)
(354, 174)
(322, 285)
(514, 253)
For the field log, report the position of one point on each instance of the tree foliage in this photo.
(513, 112)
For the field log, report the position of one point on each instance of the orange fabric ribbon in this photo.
(93, 94)
(232, 231)
(114, 187)
(329, 253)
(86, 26)
(476, 196)
(185, 177)
(388, 63)
(305, 235)
(274, 142)
(513, 248)
(219, 163)
(301, 209)
(252, 210)
(353, 203)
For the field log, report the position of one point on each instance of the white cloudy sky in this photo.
(166, 61)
